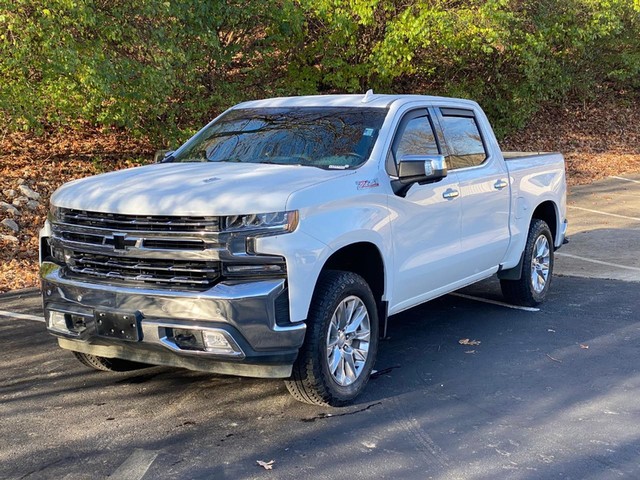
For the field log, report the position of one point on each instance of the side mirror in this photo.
(162, 156)
(421, 169)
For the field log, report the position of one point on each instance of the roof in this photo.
(369, 99)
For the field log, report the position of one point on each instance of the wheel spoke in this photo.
(339, 315)
(356, 320)
(350, 368)
(360, 354)
(350, 308)
(334, 360)
(340, 373)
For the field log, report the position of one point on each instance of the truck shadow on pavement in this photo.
(543, 394)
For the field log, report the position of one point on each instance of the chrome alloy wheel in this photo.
(348, 340)
(540, 264)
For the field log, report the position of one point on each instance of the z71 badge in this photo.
(362, 184)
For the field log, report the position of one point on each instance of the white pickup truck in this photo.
(279, 239)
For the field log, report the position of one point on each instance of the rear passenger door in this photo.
(484, 189)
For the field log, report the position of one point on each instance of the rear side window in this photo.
(463, 138)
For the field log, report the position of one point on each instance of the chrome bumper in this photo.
(245, 314)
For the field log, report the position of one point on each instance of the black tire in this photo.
(311, 380)
(108, 364)
(523, 291)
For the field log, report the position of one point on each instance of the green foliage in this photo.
(510, 55)
(163, 68)
(153, 66)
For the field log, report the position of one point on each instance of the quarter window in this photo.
(464, 141)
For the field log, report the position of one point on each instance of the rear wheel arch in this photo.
(548, 212)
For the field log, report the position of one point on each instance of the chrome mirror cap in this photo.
(421, 168)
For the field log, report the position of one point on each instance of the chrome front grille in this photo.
(166, 252)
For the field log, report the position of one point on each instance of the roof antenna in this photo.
(368, 96)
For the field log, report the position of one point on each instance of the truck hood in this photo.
(191, 189)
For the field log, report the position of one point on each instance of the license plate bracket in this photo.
(119, 325)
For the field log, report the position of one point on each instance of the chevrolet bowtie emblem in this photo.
(120, 241)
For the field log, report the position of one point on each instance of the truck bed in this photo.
(517, 155)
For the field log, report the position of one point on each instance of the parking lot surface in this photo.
(545, 394)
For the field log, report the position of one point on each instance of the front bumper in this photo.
(247, 314)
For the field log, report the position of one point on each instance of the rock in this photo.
(9, 194)
(32, 204)
(7, 207)
(21, 181)
(20, 201)
(10, 224)
(27, 192)
(9, 238)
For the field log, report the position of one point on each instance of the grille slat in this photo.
(139, 278)
(123, 263)
(137, 223)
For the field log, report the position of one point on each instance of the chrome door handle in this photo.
(500, 184)
(450, 193)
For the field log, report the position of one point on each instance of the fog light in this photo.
(58, 321)
(216, 342)
(188, 339)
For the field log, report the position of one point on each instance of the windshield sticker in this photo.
(368, 132)
(362, 184)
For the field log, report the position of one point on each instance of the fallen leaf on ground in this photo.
(554, 359)
(266, 465)
(466, 341)
(584, 346)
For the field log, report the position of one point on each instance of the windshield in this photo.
(325, 137)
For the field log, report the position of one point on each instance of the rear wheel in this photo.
(340, 348)
(108, 364)
(537, 268)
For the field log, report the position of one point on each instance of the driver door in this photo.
(426, 220)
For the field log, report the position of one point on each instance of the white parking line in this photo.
(599, 262)
(495, 302)
(625, 179)
(135, 467)
(21, 316)
(604, 213)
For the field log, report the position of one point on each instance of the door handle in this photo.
(450, 193)
(500, 184)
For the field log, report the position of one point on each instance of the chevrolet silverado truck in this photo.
(278, 240)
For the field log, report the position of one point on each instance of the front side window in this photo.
(464, 141)
(417, 139)
(324, 137)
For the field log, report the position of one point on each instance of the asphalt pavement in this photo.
(550, 393)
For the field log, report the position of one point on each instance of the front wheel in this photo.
(105, 364)
(537, 268)
(341, 344)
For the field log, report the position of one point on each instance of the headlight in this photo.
(276, 222)
(55, 213)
